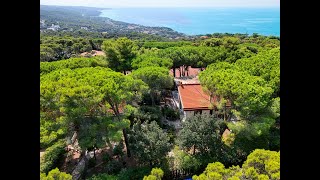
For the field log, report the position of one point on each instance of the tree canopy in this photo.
(119, 53)
(55, 174)
(202, 135)
(147, 60)
(157, 78)
(260, 164)
(149, 144)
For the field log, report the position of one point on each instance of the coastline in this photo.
(267, 26)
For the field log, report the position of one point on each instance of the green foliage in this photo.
(184, 161)
(119, 53)
(118, 149)
(55, 174)
(214, 171)
(95, 131)
(202, 134)
(133, 173)
(113, 167)
(149, 144)
(170, 114)
(170, 132)
(103, 176)
(260, 165)
(72, 63)
(251, 84)
(265, 65)
(253, 135)
(106, 157)
(146, 113)
(274, 138)
(163, 45)
(75, 93)
(50, 132)
(275, 107)
(264, 162)
(156, 174)
(157, 78)
(147, 59)
(53, 48)
(83, 97)
(52, 156)
(212, 42)
(192, 55)
(230, 42)
(249, 94)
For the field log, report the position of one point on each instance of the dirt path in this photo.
(42, 153)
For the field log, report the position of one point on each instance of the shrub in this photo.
(170, 113)
(114, 167)
(133, 173)
(106, 157)
(156, 174)
(117, 150)
(55, 174)
(52, 156)
(103, 176)
(147, 113)
(91, 163)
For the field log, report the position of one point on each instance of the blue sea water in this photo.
(193, 21)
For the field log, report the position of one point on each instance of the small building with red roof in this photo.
(193, 100)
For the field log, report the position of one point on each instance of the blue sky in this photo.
(164, 3)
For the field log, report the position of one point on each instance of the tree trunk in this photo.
(125, 135)
(115, 109)
(152, 98)
(194, 149)
(94, 154)
(110, 144)
(183, 72)
(124, 72)
(224, 113)
(174, 71)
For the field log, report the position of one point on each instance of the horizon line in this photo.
(271, 6)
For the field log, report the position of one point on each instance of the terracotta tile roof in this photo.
(193, 97)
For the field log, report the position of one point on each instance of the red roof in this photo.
(192, 97)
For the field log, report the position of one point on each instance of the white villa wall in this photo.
(188, 114)
(207, 112)
(191, 113)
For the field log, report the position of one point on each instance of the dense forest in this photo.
(107, 116)
(113, 102)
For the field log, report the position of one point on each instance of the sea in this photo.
(196, 21)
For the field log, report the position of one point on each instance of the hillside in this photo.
(86, 19)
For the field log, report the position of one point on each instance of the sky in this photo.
(163, 3)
